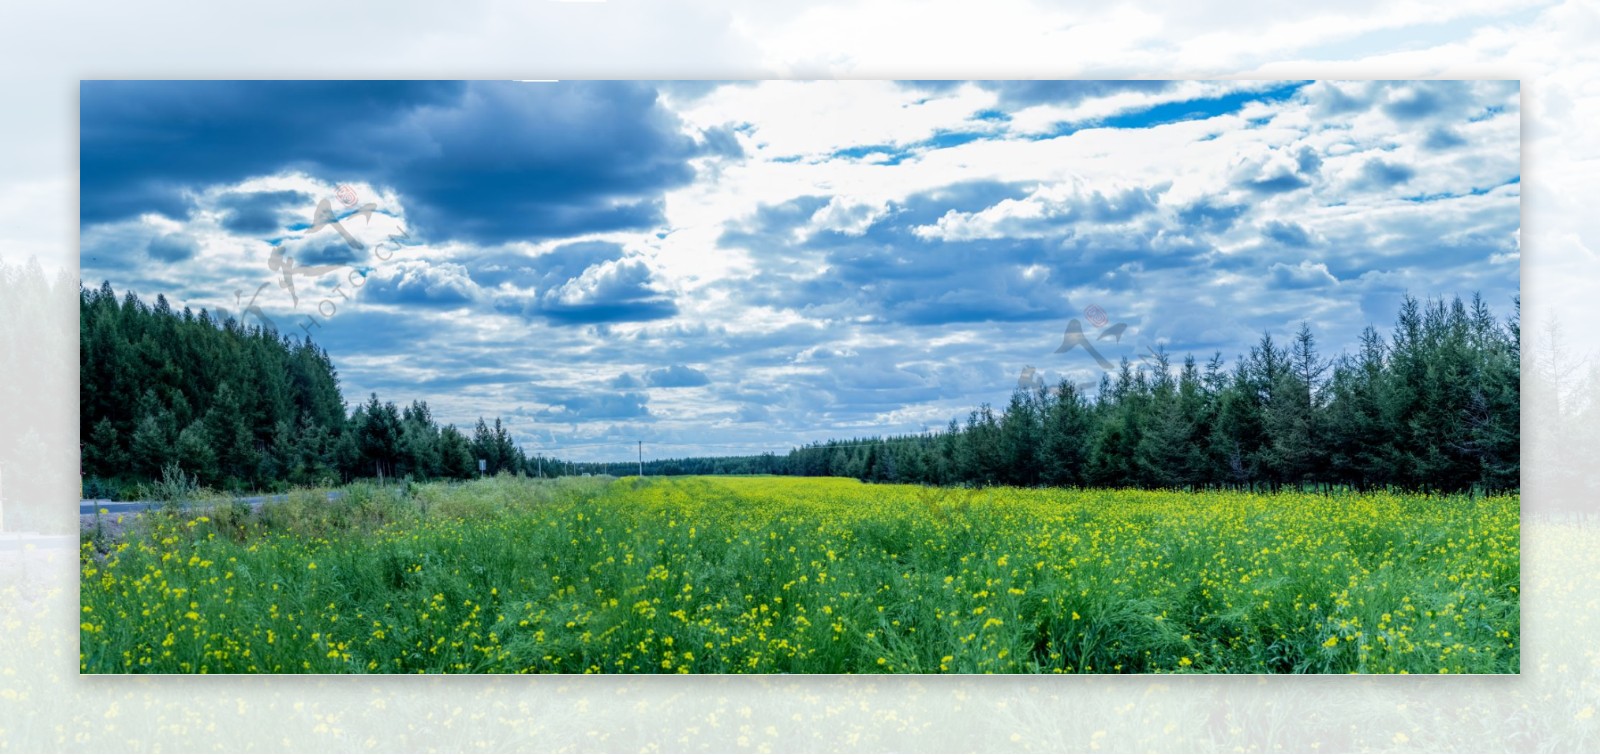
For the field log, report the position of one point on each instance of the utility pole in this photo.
(541, 467)
(641, 458)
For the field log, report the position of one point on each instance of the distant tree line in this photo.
(1435, 407)
(245, 408)
(768, 463)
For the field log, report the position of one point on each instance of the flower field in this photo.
(807, 575)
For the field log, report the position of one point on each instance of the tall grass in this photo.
(808, 575)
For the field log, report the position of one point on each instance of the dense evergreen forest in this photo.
(1434, 407)
(244, 408)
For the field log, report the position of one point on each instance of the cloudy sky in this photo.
(739, 267)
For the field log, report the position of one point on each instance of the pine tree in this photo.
(151, 447)
(378, 435)
(1021, 432)
(1068, 433)
(1161, 454)
(195, 455)
(1294, 434)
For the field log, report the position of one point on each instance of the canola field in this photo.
(804, 575)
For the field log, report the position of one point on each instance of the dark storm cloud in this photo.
(173, 247)
(1443, 138)
(1117, 207)
(570, 260)
(143, 143)
(417, 283)
(595, 406)
(260, 213)
(542, 270)
(480, 161)
(581, 283)
(1328, 99)
(699, 343)
(676, 376)
(1383, 174)
(1299, 276)
(1208, 216)
(1277, 183)
(326, 251)
(642, 310)
(1287, 233)
(897, 275)
(620, 291)
(1278, 176)
(772, 223)
(1425, 99)
(723, 141)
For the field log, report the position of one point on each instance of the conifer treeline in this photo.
(244, 408)
(1435, 407)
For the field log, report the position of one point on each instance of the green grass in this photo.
(809, 576)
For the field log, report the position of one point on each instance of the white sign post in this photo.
(483, 466)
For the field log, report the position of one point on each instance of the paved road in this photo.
(89, 506)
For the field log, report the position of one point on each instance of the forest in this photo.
(245, 408)
(1434, 407)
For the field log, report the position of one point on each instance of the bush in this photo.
(94, 487)
(174, 491)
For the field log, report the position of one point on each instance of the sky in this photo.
(737, 267)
